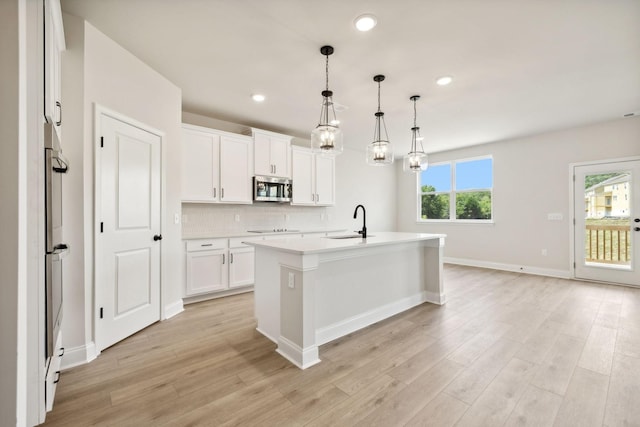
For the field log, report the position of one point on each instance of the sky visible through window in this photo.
(470, 174)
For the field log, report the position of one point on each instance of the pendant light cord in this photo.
(327, 71)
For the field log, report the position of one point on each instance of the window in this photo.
(460, 190)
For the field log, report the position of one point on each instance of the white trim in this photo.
(77, 356)
(572, 206)
(303, 358)
(271, 338)
(99, 111)
(562, 274)
(362, 320)
(172, 309)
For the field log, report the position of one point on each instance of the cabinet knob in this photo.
(157, 237)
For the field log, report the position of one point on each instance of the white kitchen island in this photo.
(309, 291)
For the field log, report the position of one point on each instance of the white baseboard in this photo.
(303, 358)
(77, 356)
(346, 326)
(172, 309)
(562, 274)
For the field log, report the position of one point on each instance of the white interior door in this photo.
(607, 222)
(128, 240)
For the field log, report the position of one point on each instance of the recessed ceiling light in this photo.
(444, 80)
(365, 22)
(258, 97)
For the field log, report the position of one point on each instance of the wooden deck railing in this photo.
(608, 244)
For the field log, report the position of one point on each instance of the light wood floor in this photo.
(507, 349)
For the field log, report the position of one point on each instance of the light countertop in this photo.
(326, 244)
(226, 235)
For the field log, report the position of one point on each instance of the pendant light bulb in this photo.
(326, 138)
(416, 160)
(379, 152)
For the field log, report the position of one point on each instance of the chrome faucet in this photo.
(364, 220)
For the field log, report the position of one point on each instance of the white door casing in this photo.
(128, 207)
(607, 270)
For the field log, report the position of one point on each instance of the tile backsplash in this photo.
(201, 219)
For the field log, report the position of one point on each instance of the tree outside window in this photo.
(463, 187)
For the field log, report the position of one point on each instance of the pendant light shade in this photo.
(326, 138)
(379, 152)
(415, 160)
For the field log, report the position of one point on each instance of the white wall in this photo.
(9, 209)
(356, 183)
(97, 71)
(531, 179)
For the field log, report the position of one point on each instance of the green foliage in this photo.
(476, 205)
(434, 206)
(591, 180)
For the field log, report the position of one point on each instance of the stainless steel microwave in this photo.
(271, 189)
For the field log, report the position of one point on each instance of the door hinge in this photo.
(102, 142)
(102, 227)
(574, 265)
(101, 312)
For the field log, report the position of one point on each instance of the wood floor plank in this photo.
(474, 379)
(442, 411)
(507, 349)
(498, 400)
(585, 400)
(536, 408)
(557, 369)
(403, 406)
(597, 354)
(622, 408)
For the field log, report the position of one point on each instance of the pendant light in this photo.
(326, 138)
(379, 152)
(415, 160)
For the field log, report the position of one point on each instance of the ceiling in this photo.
(520, 67)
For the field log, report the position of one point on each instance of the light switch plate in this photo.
(556, 216)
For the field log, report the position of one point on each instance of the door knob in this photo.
(157, 237)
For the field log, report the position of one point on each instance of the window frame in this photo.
(453, 192)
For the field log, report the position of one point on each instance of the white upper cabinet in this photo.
(272, 153)
(54, 44)
(313, 178)
(216, 166)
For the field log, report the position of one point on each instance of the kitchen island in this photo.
(311, 291)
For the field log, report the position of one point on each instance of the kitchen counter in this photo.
(232, 234)
(311, 291)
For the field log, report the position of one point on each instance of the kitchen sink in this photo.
(357, 236)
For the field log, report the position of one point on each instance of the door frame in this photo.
(572, 229)
(98, 112)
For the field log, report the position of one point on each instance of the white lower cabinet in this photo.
(216, 265)
(53, 373)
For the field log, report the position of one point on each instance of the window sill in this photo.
(455, 222)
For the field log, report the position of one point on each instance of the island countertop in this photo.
(332, 244)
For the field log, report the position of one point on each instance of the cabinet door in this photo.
(54, 44)
(200, 159)
(206, 272)
(262, 155)
(235, 170)
(325, 180)
(302, 172)
(241, 267)
(280, 149)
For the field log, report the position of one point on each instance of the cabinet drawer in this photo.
(236, 242)
(206, 244)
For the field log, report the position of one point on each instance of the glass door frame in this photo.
(605, 273)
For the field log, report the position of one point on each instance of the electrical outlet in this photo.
(292, 280)
(287, 217)
(237, 217)
(556, 216)
(322, 217)
(544, 252)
